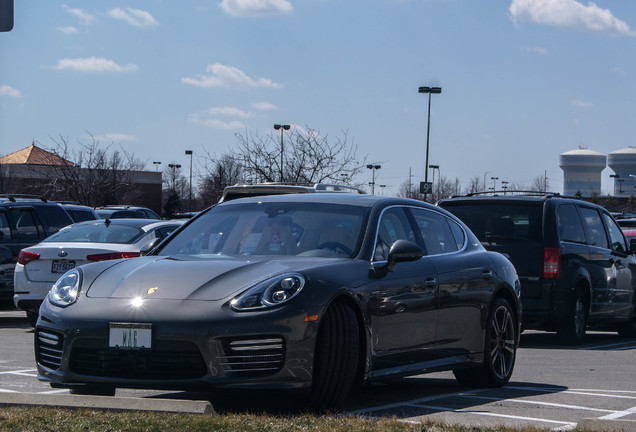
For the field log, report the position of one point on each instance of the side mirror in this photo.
(403, 251)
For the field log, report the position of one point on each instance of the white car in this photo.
(41, 265)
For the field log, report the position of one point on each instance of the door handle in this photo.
(430, 282)
(486, 274)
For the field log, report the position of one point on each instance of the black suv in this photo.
(25, 220)
(574, 263)
(125, 211)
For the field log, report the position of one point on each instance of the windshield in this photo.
(97, 233)
(316, 229)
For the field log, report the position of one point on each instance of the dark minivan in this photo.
(575, 266)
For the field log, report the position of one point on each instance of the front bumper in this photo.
(264, 350)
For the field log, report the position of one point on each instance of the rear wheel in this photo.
(572, 330)
(500, 348)
(336, 358)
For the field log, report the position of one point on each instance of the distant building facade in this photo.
(33, 170)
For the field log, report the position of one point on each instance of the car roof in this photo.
(133, 222)
(279, 188)
(361, 200)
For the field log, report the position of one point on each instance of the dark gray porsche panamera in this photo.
(311, 293)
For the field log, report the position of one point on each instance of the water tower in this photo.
(623, 163)
(582, 172)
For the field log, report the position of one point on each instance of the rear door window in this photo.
(5, 228)
(54, 217)
(569, 224)
(594, 227)
(435, 232)
(26, 225)
(617, 240)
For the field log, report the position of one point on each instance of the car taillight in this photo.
(551, 263)
(112, 256)
(26, 257)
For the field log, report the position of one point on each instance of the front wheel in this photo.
(336, 358)
(500, 349)
(627, 329)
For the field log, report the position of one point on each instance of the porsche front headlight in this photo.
(269, 293)
(66, 290)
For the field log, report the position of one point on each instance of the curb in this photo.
(607, 425)
(107, 403)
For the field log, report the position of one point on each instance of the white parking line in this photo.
(620, 346)
(618, 415)
(550, 404)
(20, 372)
(489, 414)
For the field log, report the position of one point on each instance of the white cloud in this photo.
(68, 30)
(216, 123)
(537, 50)
(116, 137)
(568, 13)
(8, 91)
(134, 17)
(264, 106)
(228, 76)
(84, 17)
(230, 112)
(93, 64)
(252, 8)
(581, 104)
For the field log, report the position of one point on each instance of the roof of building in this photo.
(33, 155)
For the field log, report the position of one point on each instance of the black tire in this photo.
(500, 350)
(93, 390)
(336, 359)
(628, 328)
(32, 317)
(572, 330)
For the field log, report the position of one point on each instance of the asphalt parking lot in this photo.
(553, 387)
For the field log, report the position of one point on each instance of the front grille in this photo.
(175, 360)
(49, 348)
(253, 357)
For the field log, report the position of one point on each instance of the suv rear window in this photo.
(55, 218)
(493, 222)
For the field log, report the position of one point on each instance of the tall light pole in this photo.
(494, 183)
(504, 186)
(282, 148)
(189, 152)
(373, 167)
(156, 164)
(430, 91)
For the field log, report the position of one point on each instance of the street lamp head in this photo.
(433, 166)
(188, 152)
(285, 127)
(157, 163)
(433, 90)
(370, 166)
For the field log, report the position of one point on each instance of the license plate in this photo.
(130, 336)
(62, 266)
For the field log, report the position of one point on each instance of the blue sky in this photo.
(522, 80)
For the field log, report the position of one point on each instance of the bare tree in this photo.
(221, 172)
(98, 176)
(540, 184)
(305, 156)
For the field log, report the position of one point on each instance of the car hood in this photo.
(179, 279)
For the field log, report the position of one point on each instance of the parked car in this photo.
(280, 188)
(39, 266)
(125, 211)
(575, 265)
(80, 213)
(304, 292)
(24, 221)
